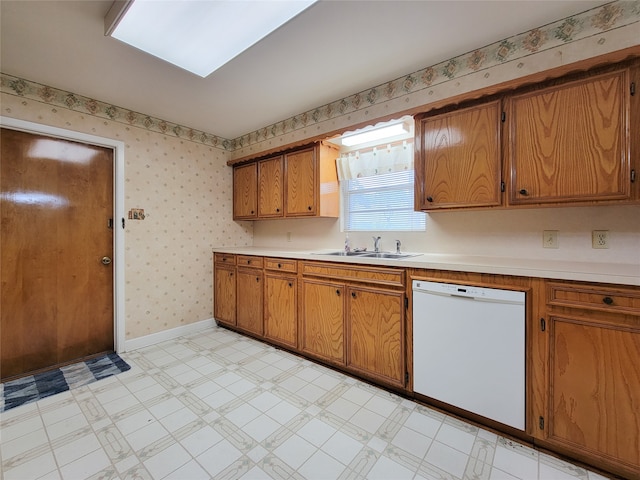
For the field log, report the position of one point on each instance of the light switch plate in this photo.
(550, 239)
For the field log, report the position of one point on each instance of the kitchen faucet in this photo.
(376, 244)
(398, 244)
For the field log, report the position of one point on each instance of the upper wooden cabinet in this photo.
(270, 188)
(298, 183)
(571, 142)
(457, 161)
(245, 196)
(568, 141)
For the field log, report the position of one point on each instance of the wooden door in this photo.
(458, 160)
(224, 294)
(245, 192)
(594, 389)
(57, 295)
(322, 320)
(281, 309)
(249, 302)
(375, 329)
(270, 188)
(570, 143)
(300, 184)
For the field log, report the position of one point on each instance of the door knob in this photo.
(106, 260)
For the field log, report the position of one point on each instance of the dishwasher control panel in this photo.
(480, 293)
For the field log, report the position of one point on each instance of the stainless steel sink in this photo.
(390, 255)
(343, 254)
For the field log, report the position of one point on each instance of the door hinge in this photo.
(502, 186)
(503, 117)
(110, 224)
(633, 88)
(122, 222)
(633, 176)
(406, 378)
(541, 423)
(543, 325)
(406, 302)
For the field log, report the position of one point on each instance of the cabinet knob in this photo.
(429, 199)
(338, 292)
(290, 284)
(248, 262)
(252, 212)
(279, 265)
(309, 208)
(277, 210)
(608, 300)
(258, 279)
(353, 294)
(231, 274)
(523, 191)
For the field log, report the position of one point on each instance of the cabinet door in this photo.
(300, 184)
(280, 320)
(570, 143)
(375, 329)
(249, 300)
(322, 320)
(270, 188)
(245, 191)
(595, 388)
(457, 160)
(224, 294)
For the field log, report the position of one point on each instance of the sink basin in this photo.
(342, 254)
(390, 255)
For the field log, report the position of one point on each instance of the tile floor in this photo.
(219, 405)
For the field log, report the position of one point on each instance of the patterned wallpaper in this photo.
(185, 189)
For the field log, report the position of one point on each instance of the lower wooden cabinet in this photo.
(224, 293)
(281, 309)
(322, 320)
(249, 302)
(375, 329)
(594, 375)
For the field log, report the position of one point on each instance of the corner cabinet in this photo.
(568, 141)
(301, 182)
(457, 161)
(593, 412)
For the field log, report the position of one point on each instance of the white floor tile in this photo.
(243, 414)
(261, 427)
(201, 440)
(386, 469)
(367, 420)
(218, 457)
(316, 432)
(514, 463)
(191, 471)
(342, 447)
(456, 438)
(146, 436)
(72, 451)
(283, 412)
(86, 466)
(23, 443)
(423, 424)
(295, 451)
(447, 459)
(167, 461)
(321, 465)
(411, 441)
(37, 467)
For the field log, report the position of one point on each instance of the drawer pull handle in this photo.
(608, 300)
(248, 262)
(279, 265)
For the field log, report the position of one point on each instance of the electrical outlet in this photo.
(550, 239)
(600, 239)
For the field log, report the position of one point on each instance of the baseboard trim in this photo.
(158, 337)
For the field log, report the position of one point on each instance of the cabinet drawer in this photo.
(615, 300)
(250, 261)
(376, 275)
(283, 265)
(228, 258)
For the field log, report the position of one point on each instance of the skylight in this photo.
(199, 35)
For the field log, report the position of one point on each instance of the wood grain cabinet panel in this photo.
(301, 173)
(249, 301)
(458, 158)
(593, 393)
(570, 142)
(281, 309)
(245, 192)
(322, 320)
(375, 329)
(224, 293)
(270, 188)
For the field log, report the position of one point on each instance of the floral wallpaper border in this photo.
(592, 22)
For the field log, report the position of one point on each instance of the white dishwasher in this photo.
(469, 349)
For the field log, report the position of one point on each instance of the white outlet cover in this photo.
(600, 239)
(550, 239)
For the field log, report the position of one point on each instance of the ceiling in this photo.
(332, 50)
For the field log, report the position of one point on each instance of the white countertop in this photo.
(616, 273)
